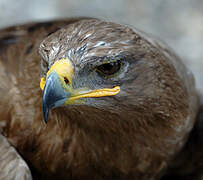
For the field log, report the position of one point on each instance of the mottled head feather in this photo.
(87, 39)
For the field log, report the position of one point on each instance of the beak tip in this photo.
(45, 113)
(46, 119)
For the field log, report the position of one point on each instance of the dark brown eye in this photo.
(109, 68)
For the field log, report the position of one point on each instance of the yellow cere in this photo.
(63, 68)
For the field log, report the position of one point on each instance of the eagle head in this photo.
(127, 92)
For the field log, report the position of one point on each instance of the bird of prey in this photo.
(89, 99)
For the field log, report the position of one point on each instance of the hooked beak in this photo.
(58, 91)
(54, 94)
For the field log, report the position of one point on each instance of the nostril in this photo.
(66, 80)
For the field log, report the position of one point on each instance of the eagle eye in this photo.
(108, 69)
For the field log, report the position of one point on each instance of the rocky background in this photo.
(177, 22)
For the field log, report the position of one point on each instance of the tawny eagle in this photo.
(117, 104)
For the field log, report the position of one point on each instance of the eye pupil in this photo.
(109, 68)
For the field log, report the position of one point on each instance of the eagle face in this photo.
(91, 63)
(116, 83)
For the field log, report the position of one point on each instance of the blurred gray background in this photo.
(177, 22)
